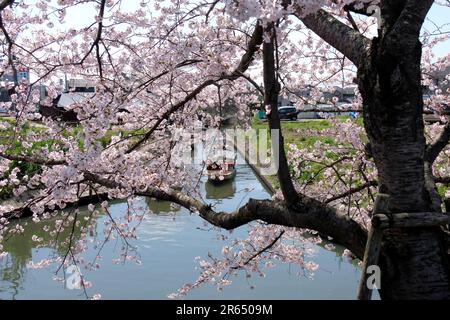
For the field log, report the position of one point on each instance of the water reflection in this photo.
(168, 240)
(220, 190)
(161, 207)
(22, 249)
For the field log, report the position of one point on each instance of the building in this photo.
(22, 73)
(75, 90)
(80, 85)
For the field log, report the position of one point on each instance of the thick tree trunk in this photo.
(414, 262)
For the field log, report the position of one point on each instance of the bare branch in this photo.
(213, 5)
(352, 21)
(253, 83)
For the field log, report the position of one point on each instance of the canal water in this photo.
(169, 238)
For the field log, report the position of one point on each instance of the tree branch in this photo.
(352, 191)
(5, 3)
(350, 42)
(271, 92)
(434, 149)
(28, 159)
(430, 186)
(352, 21)
(246, 60)
(253, 83)
(308, 214)
(442, 180)
(270, 245)
(98, 36)
(405, 30)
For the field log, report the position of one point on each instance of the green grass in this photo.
(298, 133)
(15, 147)
(285, 125)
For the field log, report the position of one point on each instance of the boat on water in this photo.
(222, 167)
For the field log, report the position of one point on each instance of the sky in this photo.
(83, 15)
(440, 15)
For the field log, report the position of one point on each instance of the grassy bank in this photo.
(299, 133)
(13, 138)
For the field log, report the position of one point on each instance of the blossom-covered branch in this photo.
(436, 147)
(348, 41)
(309, 214)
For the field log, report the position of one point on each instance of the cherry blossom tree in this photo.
(159, 65)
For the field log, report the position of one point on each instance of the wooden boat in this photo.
(222, 169)
(220, 175)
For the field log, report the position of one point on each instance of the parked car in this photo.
(288, 113)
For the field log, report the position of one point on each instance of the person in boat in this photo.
(213, 166)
